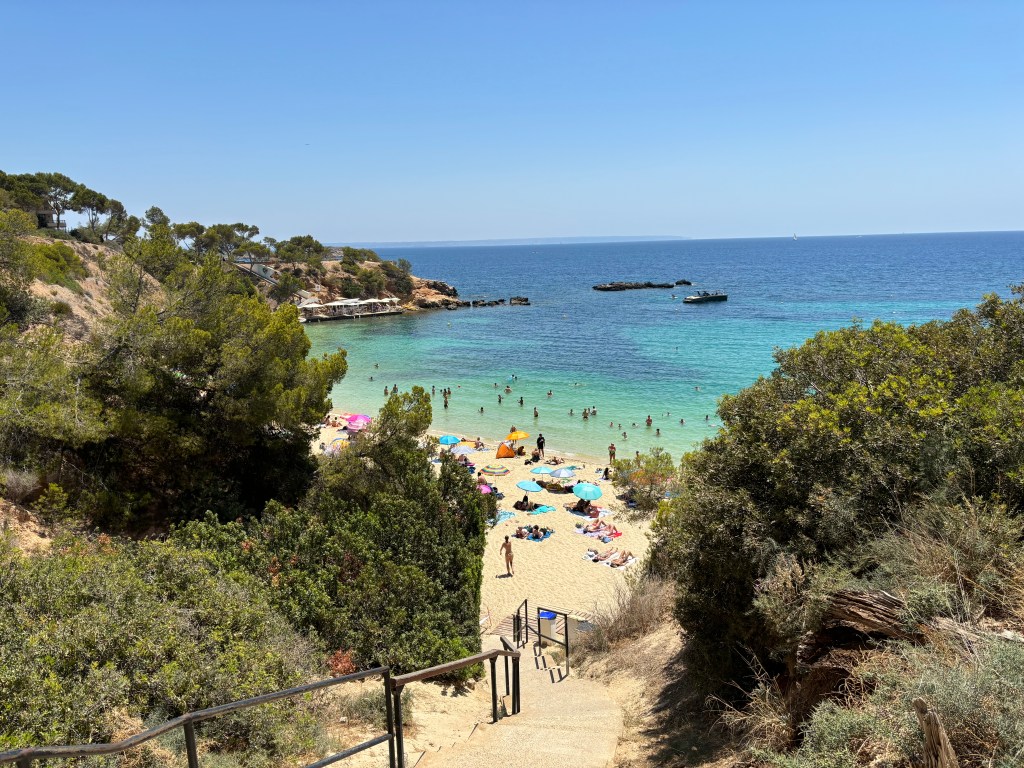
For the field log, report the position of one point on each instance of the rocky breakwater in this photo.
(435, 294)
(621, 286)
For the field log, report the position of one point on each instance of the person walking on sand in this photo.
(540, 444)
(611, 453)
(506, 549)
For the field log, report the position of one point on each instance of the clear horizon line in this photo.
(597, 239)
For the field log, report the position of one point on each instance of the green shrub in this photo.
(383, 558)
(962, 560)
(148, 630)
(58, 263)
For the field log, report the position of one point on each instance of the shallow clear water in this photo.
(636, 353)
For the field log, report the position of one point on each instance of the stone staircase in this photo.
(565, 721)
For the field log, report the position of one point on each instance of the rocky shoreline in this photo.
(436, 294)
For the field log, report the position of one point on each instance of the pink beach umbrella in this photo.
(358, 421)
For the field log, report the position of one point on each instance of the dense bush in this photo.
(57, 263)
(96, 632)
(383, 558)
(826, 455)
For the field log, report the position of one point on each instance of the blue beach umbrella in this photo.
(449, 440)
(563, 473)
(541, 470)
(529, 486)
(587, 491)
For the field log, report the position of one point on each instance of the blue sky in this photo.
(382, 121)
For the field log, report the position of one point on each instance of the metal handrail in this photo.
(24, 756)
(399, 683)
(562, 641)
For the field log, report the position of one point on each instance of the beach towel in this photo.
(503, 515)
(545, 536)
(609, 536)
(542, 510)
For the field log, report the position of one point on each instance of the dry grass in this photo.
(764, 721)
(639, 606)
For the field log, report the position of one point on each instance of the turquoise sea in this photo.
(639, 353)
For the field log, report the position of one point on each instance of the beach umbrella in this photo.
(541, 470)
(563, 473)
(529, 486)
(461, 450)
(357, 426)
(517, 435)
(449, 440)
(495, 469)
(484, 489)
(359, 417)
(587, 491)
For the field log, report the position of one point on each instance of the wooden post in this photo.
(938, 752)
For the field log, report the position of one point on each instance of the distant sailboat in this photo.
(794, 236)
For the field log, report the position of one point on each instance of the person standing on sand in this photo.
(506, 548)
(611, 453)
(540, 444)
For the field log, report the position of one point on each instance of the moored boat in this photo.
(701, 297)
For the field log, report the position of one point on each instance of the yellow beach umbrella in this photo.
(517, 435)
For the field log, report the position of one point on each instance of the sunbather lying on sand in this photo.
(595, 526)
(555, 460)
(525, 504)
(608, 553)
(621, 560)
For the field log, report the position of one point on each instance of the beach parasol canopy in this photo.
(587, 491)
(517, 435)
(449, 440)
(461, 450)
(541, 470)
(563, 473)
(359, 417)
(495, 469)
(484, 489)
(529, 486)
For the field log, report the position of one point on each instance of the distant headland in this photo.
(518, 241)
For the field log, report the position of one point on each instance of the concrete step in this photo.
(570, 722)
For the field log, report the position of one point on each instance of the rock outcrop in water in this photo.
(435, 294)
(619, 286)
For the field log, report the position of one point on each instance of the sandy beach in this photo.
(554, 572)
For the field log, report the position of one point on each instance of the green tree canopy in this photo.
(826, 453)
